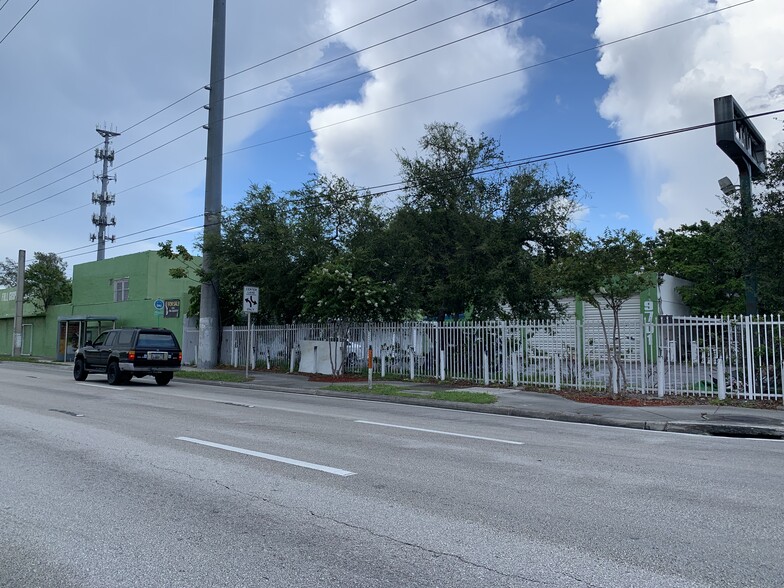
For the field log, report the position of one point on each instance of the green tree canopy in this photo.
(710, 257)
(606, 272)
(45, 282)
(710, 254)
(469, 237)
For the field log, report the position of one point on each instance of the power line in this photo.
(373, 46)
(403, 59)
(138, 240)
(280, 79)
(90, 204)
(506, 165)
(573, 54)
(200, 88)
(481, 81)
(47, 198)
(17, 22)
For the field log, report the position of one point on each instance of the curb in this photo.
(707, 429)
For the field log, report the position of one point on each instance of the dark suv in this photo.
(124, 353)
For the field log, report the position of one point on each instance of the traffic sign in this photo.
(250, 299)
(158, 304)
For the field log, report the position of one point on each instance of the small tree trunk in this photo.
(623, 384)
(608, 347)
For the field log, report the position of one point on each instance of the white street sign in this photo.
(250, 299)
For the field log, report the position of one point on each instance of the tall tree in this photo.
(467, 237)
(45, 281)
(278, 243)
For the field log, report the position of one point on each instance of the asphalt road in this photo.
(191, 485)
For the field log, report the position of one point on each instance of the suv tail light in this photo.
(132, 355)
(180, 355)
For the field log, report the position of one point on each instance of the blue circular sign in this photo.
(159, 304)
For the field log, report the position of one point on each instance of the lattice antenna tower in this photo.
(104, 198)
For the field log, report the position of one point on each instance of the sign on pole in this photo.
(158, 312)
(250, 299)
(250, 304)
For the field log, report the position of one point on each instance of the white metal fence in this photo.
(741, 357)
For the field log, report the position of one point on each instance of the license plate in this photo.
(157, 355)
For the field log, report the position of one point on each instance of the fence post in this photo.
(514, 368)
(411, 362)
(504, 345)
(442, 357)
(485, 367)
(613, 376)
(383, 362)
(748, 376)
(268, 358)
(557, 372)
(660, 375)
(370, 365)
(291, 361)
(722, 380)
(234, 351)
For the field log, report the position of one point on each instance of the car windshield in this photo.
(156, 340)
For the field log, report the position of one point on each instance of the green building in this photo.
(130, 290)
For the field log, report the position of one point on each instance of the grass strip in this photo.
(24, 358)
(464, 396)
(390, 390)
(212, 376)
(377, 389)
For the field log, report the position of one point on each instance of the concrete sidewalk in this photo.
(704, 419)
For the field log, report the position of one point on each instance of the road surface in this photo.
(193, 485)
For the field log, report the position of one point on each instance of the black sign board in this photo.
(171, 308)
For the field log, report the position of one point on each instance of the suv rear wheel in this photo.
(163, 379)
(113, 374)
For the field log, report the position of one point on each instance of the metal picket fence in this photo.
(741, 357)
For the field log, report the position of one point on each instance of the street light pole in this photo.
(747, 240)
(743, 143)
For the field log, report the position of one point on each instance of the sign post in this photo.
(250, 305)
(158, 312)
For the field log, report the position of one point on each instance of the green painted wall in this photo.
(31, 316)
(93, 294)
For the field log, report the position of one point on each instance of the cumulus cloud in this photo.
(364, 150)
(669, 79)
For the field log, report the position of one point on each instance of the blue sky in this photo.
(67, 68)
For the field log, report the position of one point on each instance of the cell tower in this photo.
(104, 199)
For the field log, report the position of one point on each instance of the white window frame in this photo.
(121, 288)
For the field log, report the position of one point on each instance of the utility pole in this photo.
(104, 199)
(209, 310)
(19, 314)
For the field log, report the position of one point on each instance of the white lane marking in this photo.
(296, 462)
(101, 386)
(440, 432)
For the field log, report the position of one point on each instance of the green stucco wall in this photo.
(93, 295)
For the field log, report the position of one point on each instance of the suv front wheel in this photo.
(80, 373)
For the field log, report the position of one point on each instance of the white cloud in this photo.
(364, 150)
(669, 79)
